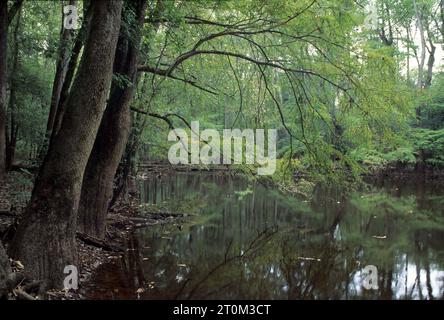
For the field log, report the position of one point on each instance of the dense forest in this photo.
(89, 91)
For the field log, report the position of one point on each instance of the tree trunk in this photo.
(61, 70)
(430, 64)
(97, 188)
(5, 19)
(441, 10)
(419, 18)
(45, 238)
(11, 138)
(72, 65)
(387, 40)
(431, 60)
(3, 77)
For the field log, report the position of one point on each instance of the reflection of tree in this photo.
(213, 258)
(118, 279)
(326, 273)
(134, 258)
(251, 249)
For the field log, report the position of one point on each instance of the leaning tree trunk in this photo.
(3, 67)
(71, 68)
(59, 78)
(97, 188)
(45, 238)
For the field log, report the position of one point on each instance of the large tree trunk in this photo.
(3, 77)
(97, 188)
(45, 238)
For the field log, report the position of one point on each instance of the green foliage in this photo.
(433, 99)
(338, 94)
(403, 155)
(430, 145)
(374, 159)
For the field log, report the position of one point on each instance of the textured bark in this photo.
(72, 65)
(3, 68)
(45, 238)
(61, 70)
(97, 188)
(4, 272)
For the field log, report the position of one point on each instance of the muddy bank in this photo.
(404, 173)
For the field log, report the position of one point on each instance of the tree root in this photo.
(22, 295)
(22, 287)
(103, 244)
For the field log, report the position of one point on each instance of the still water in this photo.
(242, 240)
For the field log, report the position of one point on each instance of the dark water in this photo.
(244, 241)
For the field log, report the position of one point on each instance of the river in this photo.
(242, 240)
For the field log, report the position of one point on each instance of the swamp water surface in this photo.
(245, 241)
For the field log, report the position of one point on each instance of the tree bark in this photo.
(72, 65)
(431, 60)
(5, 270)
(61, 71)
(441, 10)
(97, 188)
(387, 40)
(5, 20)
(430, 64)
(45, 238)
(11, 137)
(3, 77)
(419, 18)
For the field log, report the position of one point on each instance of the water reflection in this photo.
(250, 242)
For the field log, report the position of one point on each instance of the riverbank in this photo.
(123, 219)
(406, 172)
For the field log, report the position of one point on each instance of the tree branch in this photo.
(162, 72)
